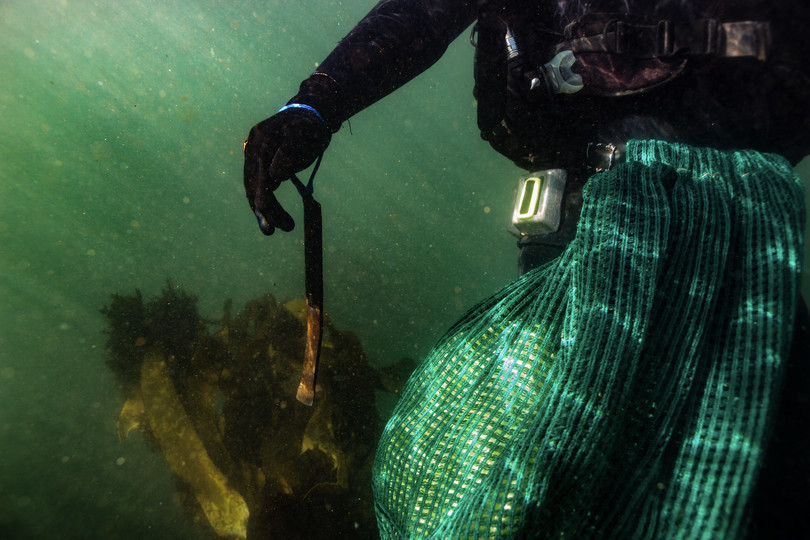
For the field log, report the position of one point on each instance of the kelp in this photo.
(171, 319)
(217, 399)
(183, 448)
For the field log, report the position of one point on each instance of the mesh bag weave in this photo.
(625, 389)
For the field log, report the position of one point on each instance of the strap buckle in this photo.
(602, 156)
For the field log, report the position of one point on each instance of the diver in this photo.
(566, 90)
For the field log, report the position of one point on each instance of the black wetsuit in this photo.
(716, 102)
(707, 100)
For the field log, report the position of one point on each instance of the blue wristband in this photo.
(302, 106)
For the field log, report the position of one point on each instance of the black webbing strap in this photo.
(313, 278)
(702, 37)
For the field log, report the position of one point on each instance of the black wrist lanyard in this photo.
(313, 280)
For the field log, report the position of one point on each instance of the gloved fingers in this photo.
(260, 147)
(259, 186)
(270, 214)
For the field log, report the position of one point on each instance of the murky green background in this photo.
(121, 129)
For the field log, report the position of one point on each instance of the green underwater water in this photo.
(120, 166)
(121, 130)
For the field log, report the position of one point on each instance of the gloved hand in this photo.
(284, 144)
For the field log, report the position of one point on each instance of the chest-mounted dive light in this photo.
(538, 203)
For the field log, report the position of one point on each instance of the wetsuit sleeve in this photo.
(395, 42)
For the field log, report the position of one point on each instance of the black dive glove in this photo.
(284, 144)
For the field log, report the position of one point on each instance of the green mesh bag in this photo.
(625, 389)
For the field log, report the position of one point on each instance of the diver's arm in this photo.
(395, 42)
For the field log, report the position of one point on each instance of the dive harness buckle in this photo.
(602, 156)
